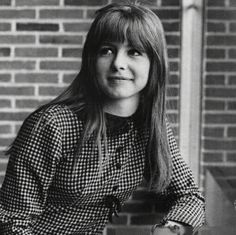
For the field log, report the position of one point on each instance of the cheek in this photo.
(144, 72)
(102, 66)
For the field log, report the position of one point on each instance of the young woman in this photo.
(78, 158)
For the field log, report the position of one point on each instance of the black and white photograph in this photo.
(117, 117)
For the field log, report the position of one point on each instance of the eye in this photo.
(105, 51)
(134, 52)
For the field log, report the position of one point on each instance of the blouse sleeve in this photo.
(185, 202)
(32, 163)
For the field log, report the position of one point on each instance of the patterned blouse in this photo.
(44, 192)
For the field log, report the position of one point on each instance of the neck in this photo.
(123, 108)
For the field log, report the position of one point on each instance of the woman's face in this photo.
(122, 70)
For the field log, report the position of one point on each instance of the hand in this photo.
(164, 231)
(171, 228)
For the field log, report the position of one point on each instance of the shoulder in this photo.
(58, 112)
(55, 116)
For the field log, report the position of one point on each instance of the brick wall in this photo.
(219, 85)
(40, 53)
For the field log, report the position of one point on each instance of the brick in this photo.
(232, 105)
(17, 127)
(85, 2)
(60, 65)
(232, 182)
(221, 66)
(90, 13)
(232, 80)
(173, 40)
(173, 79)
(173, 53)
(5, 3)
(72, 52)
(215, 53)
(219, 144)
(5, 51)
(144, 195)
(137, 207)
(17, 14)
(172, 3)
(143, 2)
(213, 157)
(224, 40)
(231, 157)
(220, 118)
(2, 178)
(17, 64)
(213, 132)
(231, 132)
(36, 52)
(232, 53)
(13, 116)
(216, 27)
(14, 90)
(232, 3)
(214, 105)
(5, 77)
(232, 27)
(215, 79)
(28, 103)
(223, 171)
(77, 27)
(5, 129)
(51, 91)
(121, 220)
(36, 78)
(221, 14)
(62, 39)
(5, 27)
(171, 26)
(220, 92)
(3, 143)
(37, 2)
(173, 66)
(172, 91)
(61, 14)
(148, 219)
(215, 3)
(68, 78)
(167, 13)
(17, 39)
(3, 166)
(131, 230)
(4, 103)
(37, 27)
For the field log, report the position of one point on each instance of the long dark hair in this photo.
(142, 29)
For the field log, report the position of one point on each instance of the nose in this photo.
(119, 61)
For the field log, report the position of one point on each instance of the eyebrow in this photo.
(113, 44)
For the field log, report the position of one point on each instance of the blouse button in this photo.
(114, 188)
(118, 165)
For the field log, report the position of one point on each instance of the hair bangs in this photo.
(136, 35)
(113, 30)
(118, 27)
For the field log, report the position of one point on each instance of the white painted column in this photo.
(190, 90)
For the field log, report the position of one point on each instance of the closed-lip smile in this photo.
(119, 78)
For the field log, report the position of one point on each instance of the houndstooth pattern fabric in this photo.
(43, 193)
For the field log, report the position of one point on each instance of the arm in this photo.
(30, 170)
(185, 204)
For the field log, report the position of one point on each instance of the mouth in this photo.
(119, 78)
